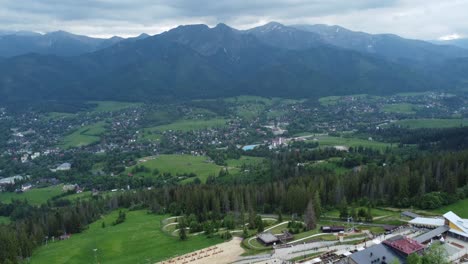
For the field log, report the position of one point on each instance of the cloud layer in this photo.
(423, 19)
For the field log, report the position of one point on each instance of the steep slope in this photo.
(462, 43)
(199, 62)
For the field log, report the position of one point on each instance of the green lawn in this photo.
(188, 125)
(403, 108)
(332, 100)
(181, 164)
(4, 220)
(35, 196)
(460, 208)
(138, 240)
(59, 115)
(327, 141)
(431, 123)
(111, 106)
(375, 212)
(84, 136)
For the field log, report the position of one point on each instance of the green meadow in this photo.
(328, 141)
(181, 164)
(459, 207)
(84, 136)
(4, 220)
(34, 196)
(431, 123)
(403, 108)
(139, 239)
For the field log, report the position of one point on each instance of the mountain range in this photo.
(197, 61)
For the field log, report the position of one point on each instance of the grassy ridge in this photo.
(138, 240)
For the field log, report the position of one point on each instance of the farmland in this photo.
(138, 240)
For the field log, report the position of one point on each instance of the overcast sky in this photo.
(422, 19)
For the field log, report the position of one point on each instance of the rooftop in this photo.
(427, 221)
(376, 254)
(404, 245)
(267, 238)
(410, 214)
(431, 234)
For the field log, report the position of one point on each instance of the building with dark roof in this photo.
(267, 238)
(410, 214)
(378, 254)
(332, 229)
(395, 248)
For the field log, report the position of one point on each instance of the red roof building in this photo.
(404, 245)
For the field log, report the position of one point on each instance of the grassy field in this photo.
(403, 108)
(376, 212)
(35, 196)
(112, 106)
(431, 123)
(189, 124)
(59, 115)
(84, 136)
(460, 208)
(327, 141)
(182, 164)
(332, 100)
(4, 220)
(138, 240)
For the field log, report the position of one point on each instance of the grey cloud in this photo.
(410, 18)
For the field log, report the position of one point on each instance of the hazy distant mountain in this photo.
(59, 43)
(462, 43)
(197, 62)
(388, 46)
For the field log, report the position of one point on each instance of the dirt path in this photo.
(223, 253)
